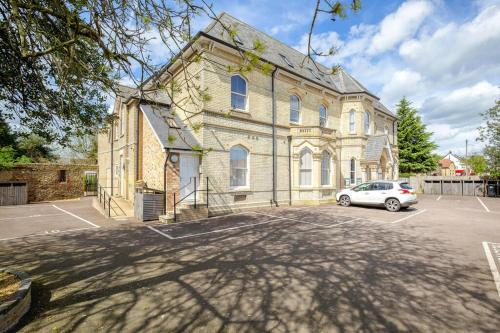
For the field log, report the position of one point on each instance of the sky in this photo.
(444, 56)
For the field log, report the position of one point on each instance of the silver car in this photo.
(393, 195)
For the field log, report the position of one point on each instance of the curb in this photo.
(13, 309)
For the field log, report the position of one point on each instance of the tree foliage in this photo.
(490, 134)
(60, 58)
(415, 146)
(478, 163)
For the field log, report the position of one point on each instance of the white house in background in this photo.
(457, 161)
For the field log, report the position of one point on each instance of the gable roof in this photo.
(159, 118)
(155, 96)
(375, 146)
(275, 50)
(445, 163)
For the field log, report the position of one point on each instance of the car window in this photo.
(362, 187)
(389, 186)
(406, 186)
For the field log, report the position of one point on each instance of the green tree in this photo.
(415, 146)
(61, 57)
(7, 138)
(8, 158)
(490, 134)
(86, 147)
(36, 148)
(477, 163)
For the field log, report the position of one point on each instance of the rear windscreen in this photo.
(406, 186)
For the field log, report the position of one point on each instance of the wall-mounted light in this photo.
(174, 158)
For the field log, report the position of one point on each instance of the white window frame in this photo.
(247, 176)
(298, 110)
(367, 123)
(352, 122)
(325, 118)
(329, 164)
(239, 94)
(352, 171)
(301, 169)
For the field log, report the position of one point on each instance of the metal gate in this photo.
(90, 183)
(13, 193)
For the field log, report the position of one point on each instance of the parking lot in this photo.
(290, 269)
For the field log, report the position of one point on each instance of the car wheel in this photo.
(345, 201)
(392, 205)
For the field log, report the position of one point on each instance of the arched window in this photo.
(353, 171)
(322, 116)
(352, 122)
(294, 109)
(238, 93)
(367, 122)
(238, 160)
(326, 162)
(305, 167)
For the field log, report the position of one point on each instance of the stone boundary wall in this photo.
(44, 180)
(18, 304)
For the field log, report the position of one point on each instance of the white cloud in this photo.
(400, 25)
(460, 107)
(280, 28)
(403, 83)
(460, 53)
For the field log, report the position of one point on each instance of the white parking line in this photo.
(208, 232)
(410, 216)
(316, 224)
(482, 203)
(76, 216)
(47, 233)
(29, 216)
(493, 266)
(159, 232)
(439, 198)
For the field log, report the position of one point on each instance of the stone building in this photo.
(291, 135)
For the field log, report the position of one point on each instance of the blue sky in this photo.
(443, 55)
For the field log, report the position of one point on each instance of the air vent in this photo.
(285, 59)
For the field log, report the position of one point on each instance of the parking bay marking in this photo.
(76, 216)
(316, 224)
(482, 203)
(29, 216)
(47, 233)
(439, 198)
(491, 262)
(410, 216)
(208, 232)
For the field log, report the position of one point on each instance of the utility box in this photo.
(149, 204)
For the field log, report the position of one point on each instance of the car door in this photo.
(361, 193)
(379, 192)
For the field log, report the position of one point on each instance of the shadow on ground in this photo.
(280, 277)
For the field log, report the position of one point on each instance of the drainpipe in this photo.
(340, 170)
(167, 156)
(137, 142)
(273, 93)
(112, 147)
(289, 169)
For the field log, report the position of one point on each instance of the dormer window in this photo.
(285, 59)
(314, 73)
(238, 40)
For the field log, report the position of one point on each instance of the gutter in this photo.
(289, 169)
(273, 94)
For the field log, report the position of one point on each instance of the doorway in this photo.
(189, 165)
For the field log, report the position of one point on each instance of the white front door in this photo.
(189, 171)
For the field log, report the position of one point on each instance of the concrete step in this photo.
(185, 214)
(167, 218)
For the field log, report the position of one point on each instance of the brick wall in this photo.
(43, 180)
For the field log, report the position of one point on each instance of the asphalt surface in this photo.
(301, 269)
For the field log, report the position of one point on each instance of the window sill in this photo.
(240, 190)
(246, 112)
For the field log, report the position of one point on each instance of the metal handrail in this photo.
(187, 195)
(103, 200)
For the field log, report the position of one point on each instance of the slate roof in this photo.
(156, 96)
(342, 82)
(159, 117)
(374, 147)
